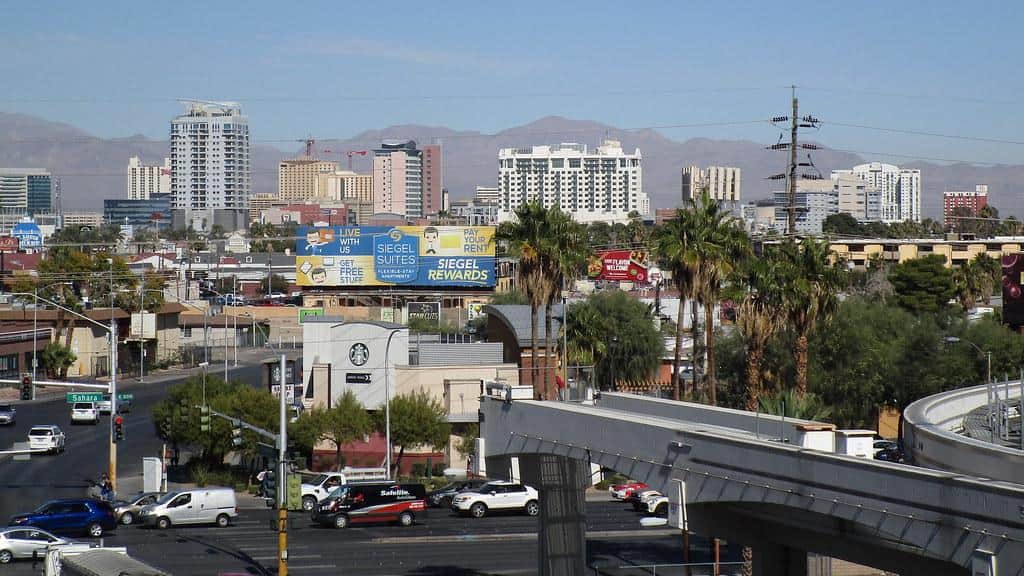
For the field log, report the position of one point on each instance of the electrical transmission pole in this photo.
(790, 175)
(794, 129)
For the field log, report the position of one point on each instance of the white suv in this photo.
(49, 438)
(497, 496)
(84, 412)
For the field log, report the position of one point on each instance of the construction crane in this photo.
(349, 153)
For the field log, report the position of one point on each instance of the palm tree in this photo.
(563, 253)
(759, 317)
(672, 244)
(719, 245)
(966, 280)
(810, 294)
(526, 236)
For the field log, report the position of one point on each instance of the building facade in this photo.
(297, 179)
(900, 189)
(816, 200)
(145, 179)
(153, 212)
(605, 184)
(472, 213)
(345, 185)
(28, 190)
(79, 219)
(487, 195)
(722, 183)
(260, 202)
(960, 202)
(407, 179)
(210, 169)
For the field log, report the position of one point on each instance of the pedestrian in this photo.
(560, 383)
(106, 488)
(264, 479)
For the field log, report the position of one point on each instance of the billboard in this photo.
(1013, 289)
(429, 311)
(618, 266)
(429, 256)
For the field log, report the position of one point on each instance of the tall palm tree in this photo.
(526, 236)
(720, 243)
(810, 293)
(759, 317)
(672, 244)
(564, 252)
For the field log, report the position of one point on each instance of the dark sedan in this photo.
(442, 497)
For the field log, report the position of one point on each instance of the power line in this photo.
(932, 134)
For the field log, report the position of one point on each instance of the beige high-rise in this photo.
(345, 185)
(297, 179)
(722, 183)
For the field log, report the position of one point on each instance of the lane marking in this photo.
(518, 536)
(290, 557)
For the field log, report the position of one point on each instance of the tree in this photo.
(759, 317)
(923, 284)
(56, 358)
(842, 224)
(417, 419)
(342, 423)
(631, 348)
(792, 404)
(564, 253)
(672, 243)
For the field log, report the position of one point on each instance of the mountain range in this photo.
(92, 168)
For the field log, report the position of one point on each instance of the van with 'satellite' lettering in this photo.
(365, 502)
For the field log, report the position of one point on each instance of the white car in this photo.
(21, 542)
(656, 505)
(640, 498)
(48, 437)
(498, 495)
(84, 413)
(105, 406)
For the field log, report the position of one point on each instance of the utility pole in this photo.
(793, 130)
(795, 123)
(282, 479)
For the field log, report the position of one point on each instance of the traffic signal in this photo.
(183, 410)
(204, 418)
(118, 429)
(27, 390)
(165, 428)
(236, 436)
(271, 481)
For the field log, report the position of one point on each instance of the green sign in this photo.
(309, 313)
(84, 397)
(294, 492)
(126, 396)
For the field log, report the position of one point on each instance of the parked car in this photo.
(497, 495)
(18, 543)
(442, 497)
(128, 511)
(47, 437)
(882, 445)
(624, 491)
(84, 413)
(7, 414)
(656, 504)
(199, 506)
(639, 498)
(364, 502)
(73, 516)
(105, 405)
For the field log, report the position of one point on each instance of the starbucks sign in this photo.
(358, 354)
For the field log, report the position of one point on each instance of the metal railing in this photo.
(684, 569)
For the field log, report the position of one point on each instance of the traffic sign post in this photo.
(73, 397)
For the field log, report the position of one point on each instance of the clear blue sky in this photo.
(333, 69)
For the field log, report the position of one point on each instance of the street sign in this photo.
(8, 244)
(309, 313)
(84, 397)
(126, 396)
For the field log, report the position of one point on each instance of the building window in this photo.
(9, 365)
(186, 332)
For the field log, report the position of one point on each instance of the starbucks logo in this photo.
(358, 354)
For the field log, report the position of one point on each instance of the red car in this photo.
(625, 491)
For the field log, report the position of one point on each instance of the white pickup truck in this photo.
(321, 486)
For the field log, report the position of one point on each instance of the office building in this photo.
(407, 179)
(260, 202)
(210, 169)
(816, 200)
(92, 220)
(963, 203)
(721, 182)
(147, 179)
(900, 189)
(297, 179)
(604, 184)
(487, 195)
(473, 213)
(345, 185)
(152, 212)
(26, 190)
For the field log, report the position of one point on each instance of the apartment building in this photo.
(147, 179)
(963, 202)
(298, 179)
(723, 183)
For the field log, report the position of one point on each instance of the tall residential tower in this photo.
(145, 180)
(900, 189)
(407, 179)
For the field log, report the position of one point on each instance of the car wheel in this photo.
(163, 522)
(308, 503)
(341, 521)
(127, 518)
(223, 521)
(94, 530)
(532, 508)
(405, 519)
(6, 556)
(478, 510)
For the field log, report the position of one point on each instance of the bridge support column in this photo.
(562, 531)
(777, 560)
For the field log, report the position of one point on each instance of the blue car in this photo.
(74, 516)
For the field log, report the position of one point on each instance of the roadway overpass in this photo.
(745, 480)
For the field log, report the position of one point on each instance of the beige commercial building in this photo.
(341, 185)
(144, 180)
(260, 202)
(722, 183)
(79, 219)
(297, 179)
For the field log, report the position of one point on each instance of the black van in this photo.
(363, 502)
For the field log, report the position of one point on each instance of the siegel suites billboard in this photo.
(427, 256)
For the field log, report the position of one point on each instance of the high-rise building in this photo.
(722, 183)
(146, 179)
(958, 203)
(152, 212)
(407, 179)
(816, 200)
(487, 195)
(345, 185)
(601, 185)
(900, 189)
(297, 179)
(210, 170)
(28, 190)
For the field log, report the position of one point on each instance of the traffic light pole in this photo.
(112, 468)
(282, 484)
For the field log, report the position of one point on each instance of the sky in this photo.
(334, 69)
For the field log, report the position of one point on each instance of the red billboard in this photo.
(8, 244)
(1013, 291)
(618, 266)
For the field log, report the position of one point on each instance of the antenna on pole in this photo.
(791, 176)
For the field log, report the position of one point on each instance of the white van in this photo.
(198, 506)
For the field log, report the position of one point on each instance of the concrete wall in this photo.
(331, 342)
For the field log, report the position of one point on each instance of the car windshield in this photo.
(6, 408)
(166, 498)
(447, 487)
(320, 479)
(39, 432)
(341, 492)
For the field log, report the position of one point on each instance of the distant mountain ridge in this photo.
(94, 168)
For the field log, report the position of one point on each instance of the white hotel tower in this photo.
(210, 170)
(605, 184)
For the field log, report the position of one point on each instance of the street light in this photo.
(387, 397)
(988, 382)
